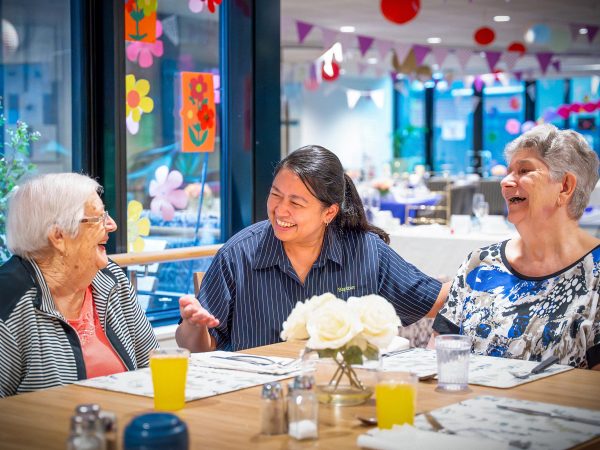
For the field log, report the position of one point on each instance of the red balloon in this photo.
(563, 111)
(484, 36)
(516, 47)
(331, 77)
(400, 11)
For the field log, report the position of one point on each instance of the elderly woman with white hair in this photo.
(536, 295)
(67, 312)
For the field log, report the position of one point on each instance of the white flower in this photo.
(316, 301)
(378, 317)
(334, 325)
(295, 325)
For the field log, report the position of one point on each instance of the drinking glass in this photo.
(481, 210)
(169, 375)
(477, 199)
(452, 352)
(395, 398)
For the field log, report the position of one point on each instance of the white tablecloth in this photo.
(437, 251)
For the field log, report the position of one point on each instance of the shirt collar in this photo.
(270, 250)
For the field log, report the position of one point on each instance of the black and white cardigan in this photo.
(38, 347)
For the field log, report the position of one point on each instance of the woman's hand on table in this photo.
(193, 313)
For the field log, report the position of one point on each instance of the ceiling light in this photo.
(583, 31)
(501, 18)
(347, 29)
(372, 60)
(434, 40)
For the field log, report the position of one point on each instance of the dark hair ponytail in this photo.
(323, 175)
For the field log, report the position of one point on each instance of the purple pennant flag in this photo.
(492, 59)
(556, 65)
(329, 37)
(592, 31)
(439, 54)
(303, 29)
(421, 52)
(544, 60)
(463, 57)
(364, 44)
(383, 47)
(518, 75)
(402, 51)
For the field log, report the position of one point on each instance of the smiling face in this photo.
(528, 188)
(86, 253)
(296, 215)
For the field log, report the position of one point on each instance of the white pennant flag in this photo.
(402, 51)
(439, 54)
(510, 59)
(378, 97)
(329, 37)
(383, 47)
(170, 29)
(463, 56)
(352, 96)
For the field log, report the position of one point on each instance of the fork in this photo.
(256, 360)
(537, 369)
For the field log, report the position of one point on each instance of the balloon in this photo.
(484, 36)
(332, 73)
(527, 126)
(563, 111)
(516, 47)
(574, 107)
(589, 107)
(400, 11)
(538, 34)
(560, 38)
(513, 126)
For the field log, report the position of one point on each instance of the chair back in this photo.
(198, 277)
(430, 214)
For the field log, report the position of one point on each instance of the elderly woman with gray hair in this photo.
(67, 311)
(536, 295)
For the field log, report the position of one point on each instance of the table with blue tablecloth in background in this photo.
(398, 206)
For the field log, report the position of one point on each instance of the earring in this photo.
(326, 223)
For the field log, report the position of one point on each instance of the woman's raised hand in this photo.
(194, 314)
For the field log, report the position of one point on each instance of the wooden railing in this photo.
(172, 254)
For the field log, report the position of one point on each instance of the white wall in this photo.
(324, 118)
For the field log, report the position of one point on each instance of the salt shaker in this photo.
(303, 409)
(93, 411)
(83, 434)
(273, 418)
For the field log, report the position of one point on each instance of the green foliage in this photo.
(13, 166)
(401, 135)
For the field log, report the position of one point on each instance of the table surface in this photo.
(41, 419)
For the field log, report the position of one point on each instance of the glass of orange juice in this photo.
(395, 398)
(169, 375)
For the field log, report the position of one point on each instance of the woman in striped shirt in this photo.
(67, 312)
(317, 240)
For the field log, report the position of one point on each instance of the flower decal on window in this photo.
(137, 102)
(211, 5)
(198, 112)
(140, 20)
(144, 52)
(136, 227)
(166, 194)
(206, 116)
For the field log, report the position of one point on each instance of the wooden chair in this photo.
(198, 277)
(430, 214)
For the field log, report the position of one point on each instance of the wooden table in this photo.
(41, 419)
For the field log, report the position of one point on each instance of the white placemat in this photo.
(480, 418)
(202, 379)
(483, 370)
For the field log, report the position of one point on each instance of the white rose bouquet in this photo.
(346, 331)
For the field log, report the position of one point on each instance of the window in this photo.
(586, 122)
(453, 130)
(550, 93)
(411, 120)
(173, 142)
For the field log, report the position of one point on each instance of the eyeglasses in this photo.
(103, 219)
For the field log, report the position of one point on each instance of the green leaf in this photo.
(371, 352)
(203, 138)
(193, 137)
(353, 355)
(205, 101)
(327, 353)
(197, 127)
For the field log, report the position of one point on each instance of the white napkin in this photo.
(398, 343)
(408, 437)
(246, 362)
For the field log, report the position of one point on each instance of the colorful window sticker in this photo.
(140, 20)
(198, 112)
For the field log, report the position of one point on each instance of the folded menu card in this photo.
(485, 418)
(206, 376)
(483, 370)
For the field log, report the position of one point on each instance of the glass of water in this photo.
(453, 351)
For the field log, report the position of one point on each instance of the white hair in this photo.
(563, 151)
(43, 203)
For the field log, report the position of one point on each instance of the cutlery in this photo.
(395, 352)
(537, 369)
(553, 415)
(256, 360)
(368, 421)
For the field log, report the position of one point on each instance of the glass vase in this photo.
(339, 382)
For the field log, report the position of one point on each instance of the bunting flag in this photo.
(510, 60)
(383, 47)
(518, 75)
(402, 51)
(329, 37)
(463, 56)
(303, 29)
(439, 54)
(171, 29)
(544, 59)
(592, 30)
(492, 59)
(348, 40)
(421, 52)
(364, 44)
(556, 65)
(376, 95)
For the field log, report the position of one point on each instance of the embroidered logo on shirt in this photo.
(346, 288)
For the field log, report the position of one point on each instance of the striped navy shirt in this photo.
(251, 286)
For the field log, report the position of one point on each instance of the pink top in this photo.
(98, 354)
